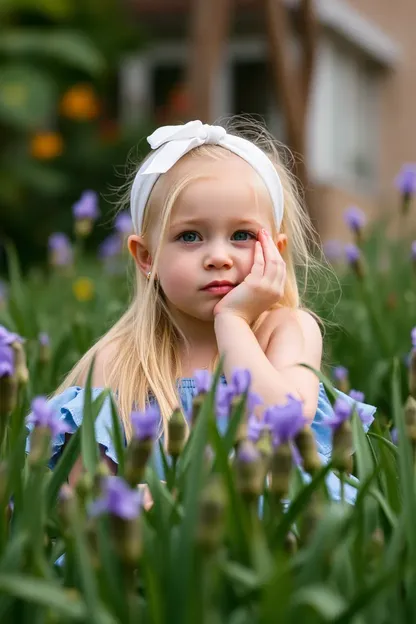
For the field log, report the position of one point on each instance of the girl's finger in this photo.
(273, 259)
(257, 269)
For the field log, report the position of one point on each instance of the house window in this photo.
(345, 118)
(252, 92)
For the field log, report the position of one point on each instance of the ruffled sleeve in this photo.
(322, 431)
(69, 407)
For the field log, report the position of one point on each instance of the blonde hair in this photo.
(145, 358)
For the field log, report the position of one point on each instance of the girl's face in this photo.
(212, 232)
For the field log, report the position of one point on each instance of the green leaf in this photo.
(363, 453)
(406, 469)
(183, 550)
(72, 48)
(23, 314)
(52, 596)
(327, 603)
(248, 579)
(85, 569)
(89, 447)
(366, 597)
(298, 504)
(63, 467)
(117, 435)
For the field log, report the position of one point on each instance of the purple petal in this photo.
(203, 380)
(286, 420)
(413, 250)
(6, 360)
(118, 499)
(44, 339)
(352, 253)
(355, 218)
(358, 396)
(247, 453)
(406, 179)
(145, 424)
(333, 250)
(340, 373)
(87, 206)
(223, 398)
(58, 241)
(342, 412)
(413, 337)
(240, 380)
(123, 223)
(255, 427)
(8, 338)
(110, 247)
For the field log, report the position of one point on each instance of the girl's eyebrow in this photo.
(208, 221)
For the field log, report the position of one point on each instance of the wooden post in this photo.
(209, 28)
(292, 84)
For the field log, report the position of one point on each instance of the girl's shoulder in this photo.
(283, 318)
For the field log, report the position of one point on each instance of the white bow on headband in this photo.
(170, 143)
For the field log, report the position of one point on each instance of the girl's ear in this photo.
(281, 242)
(140, 253)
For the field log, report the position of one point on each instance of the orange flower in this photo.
(80, 102)
(46, 145)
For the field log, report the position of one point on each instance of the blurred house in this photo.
(361, 120)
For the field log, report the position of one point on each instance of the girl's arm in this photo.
(295, 339)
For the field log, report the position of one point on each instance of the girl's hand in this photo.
(263, 286)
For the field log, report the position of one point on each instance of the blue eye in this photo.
(187, 237)
(241, 235)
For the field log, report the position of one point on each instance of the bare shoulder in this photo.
(284, 319)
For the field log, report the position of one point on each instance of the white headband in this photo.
(170, 143)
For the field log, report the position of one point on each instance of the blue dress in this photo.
(69, 406)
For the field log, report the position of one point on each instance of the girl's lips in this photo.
(219, 290)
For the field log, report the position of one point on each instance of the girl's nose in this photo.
(218, 257)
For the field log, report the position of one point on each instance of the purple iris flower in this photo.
(355, 218)
(413, 250)
(58, 241)
(333, 250)
(406, 180)
(340, 373)
(44, 416)
(240, 383)
(6, 361)
(247, 453)
(86, 207)
(255, 427)
(413, 337)
(145, 424)
(44, 339)
(203, 380)
(240, 380)
(352, 253)
(118, 499)
(123, 223)
(60, 248)
(394, 436)
(8, 338)
(357, 396)
(110, 247)
(285, 421)
(342, 412)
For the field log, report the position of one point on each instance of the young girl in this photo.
(219, 236)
